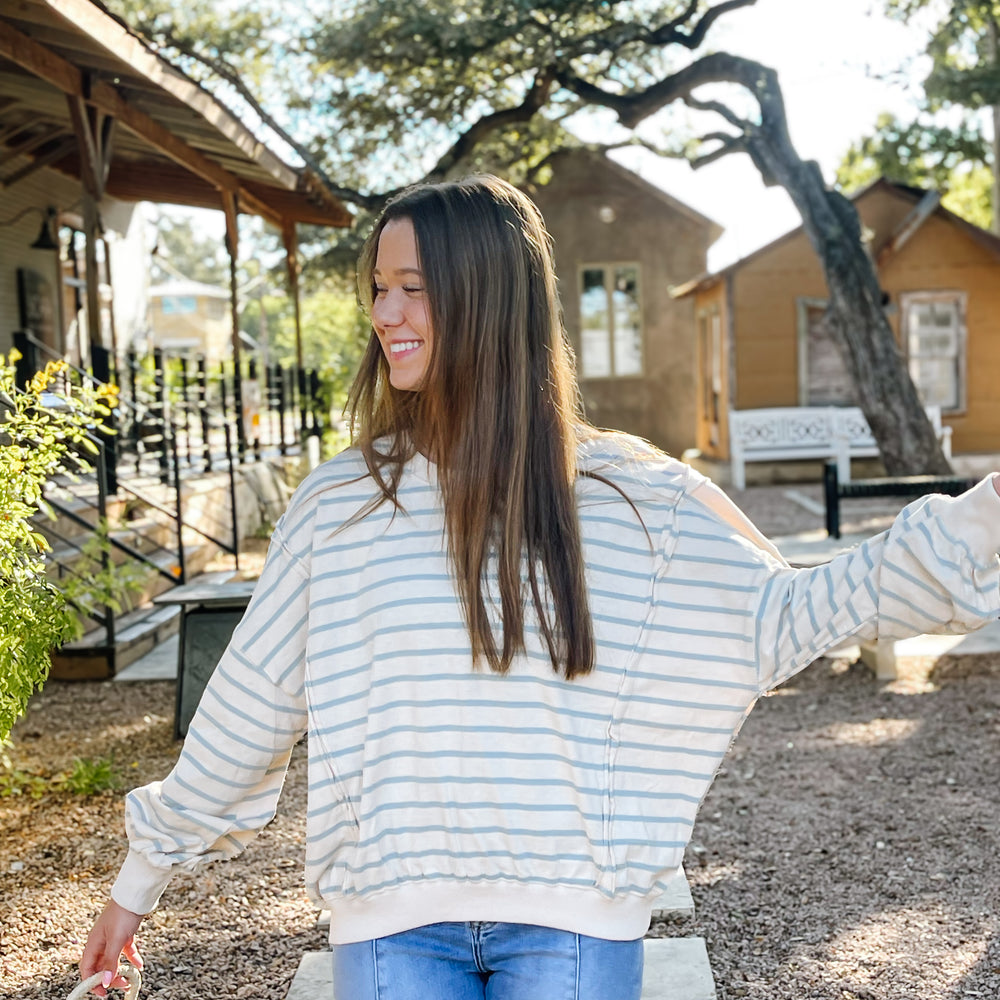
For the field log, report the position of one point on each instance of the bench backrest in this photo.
(796, 432)
(805, 428)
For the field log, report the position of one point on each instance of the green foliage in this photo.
(90, 776)
(97, 582)
(964, 46)
(182, 250)
(334, 335)
(16, 780)
(86, 776)
(377, 94)
(42, 432)
(924, 155)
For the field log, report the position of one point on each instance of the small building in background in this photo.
(191, 317)
(620, 244)
(761, 342)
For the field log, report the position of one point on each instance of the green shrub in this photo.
(42, 433)
(90, 776)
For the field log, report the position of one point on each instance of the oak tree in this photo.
(389, 92)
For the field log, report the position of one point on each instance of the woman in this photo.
(520, 647)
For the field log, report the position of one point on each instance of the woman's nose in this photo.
(386, 310)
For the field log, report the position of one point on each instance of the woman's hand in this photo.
(113, 935)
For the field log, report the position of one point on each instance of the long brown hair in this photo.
(498, 412)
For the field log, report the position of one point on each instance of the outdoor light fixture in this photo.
(45, 240)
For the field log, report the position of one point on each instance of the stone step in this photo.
(137, 633)
(675, 969)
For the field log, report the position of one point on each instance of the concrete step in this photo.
(137, 633)
(675, 969)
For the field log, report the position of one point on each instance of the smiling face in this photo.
(400, 314)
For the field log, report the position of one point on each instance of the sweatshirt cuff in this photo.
(139, 884)
(979, 523)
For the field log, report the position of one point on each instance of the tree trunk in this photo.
(855, 314)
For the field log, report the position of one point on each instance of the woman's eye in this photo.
(413, 289)
(380, 291)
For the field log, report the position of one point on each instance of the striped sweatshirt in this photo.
(439, 791)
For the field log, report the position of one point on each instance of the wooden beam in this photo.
(32, 143)
(916, 217)
(92, 20)
(290, 239)
(37, 59)
(91, 225)
(231, 209)
(58, 152)
(107, 147)
(90, 172)
(63, 75)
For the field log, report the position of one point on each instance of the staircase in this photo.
(158, 499)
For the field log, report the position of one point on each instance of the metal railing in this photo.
(174, 425)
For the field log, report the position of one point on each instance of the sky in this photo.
(828, 54)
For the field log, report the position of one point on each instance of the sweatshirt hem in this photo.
(418, 904)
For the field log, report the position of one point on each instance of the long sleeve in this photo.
(225, 785)
(935, 570)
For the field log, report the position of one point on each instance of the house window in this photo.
(825, 377)
(934, 338)
(610, 321)
(178, 305)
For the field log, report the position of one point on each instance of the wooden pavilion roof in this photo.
(68, 68)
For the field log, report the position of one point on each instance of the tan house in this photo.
(191, 317)
(760, 343)
(620, 244)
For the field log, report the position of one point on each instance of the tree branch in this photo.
(220, 67)
(634, 108)
(534, 100)
(727, 144)
(671, 33)
(722, 110)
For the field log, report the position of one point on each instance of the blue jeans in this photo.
(487, 961)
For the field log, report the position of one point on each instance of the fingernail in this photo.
(106, 981)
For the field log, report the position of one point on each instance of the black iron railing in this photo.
(175, 423)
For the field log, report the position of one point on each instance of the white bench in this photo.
(676, 968)
(786, 433)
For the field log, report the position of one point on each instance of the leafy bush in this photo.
(87, 776)
(91, 776)
(43, 432)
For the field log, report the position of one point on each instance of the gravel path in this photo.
(847, 851)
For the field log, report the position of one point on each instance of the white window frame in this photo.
(909, 299)
(610, 268)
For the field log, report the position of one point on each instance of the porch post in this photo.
(230, 207)
(292, 260)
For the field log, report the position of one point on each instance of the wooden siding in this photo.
(765, 322)
(943, 257)
(40, 190)
(670, 246)
(709, 304)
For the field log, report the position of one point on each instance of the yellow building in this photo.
(191, 317)
(760, 342)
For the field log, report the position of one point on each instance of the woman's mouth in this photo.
(403, 348)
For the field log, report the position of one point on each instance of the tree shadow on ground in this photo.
(848, 847)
